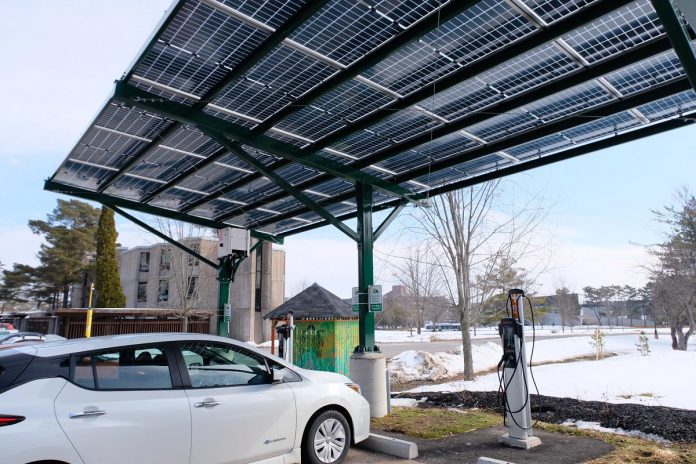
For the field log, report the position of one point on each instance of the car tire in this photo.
(327, 439)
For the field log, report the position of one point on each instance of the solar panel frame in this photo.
(127, 151)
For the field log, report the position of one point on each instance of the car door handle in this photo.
(93, 413)
(206, 404)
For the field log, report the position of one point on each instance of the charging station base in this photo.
(529, 442)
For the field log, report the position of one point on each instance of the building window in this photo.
(163, 290)
(144, 261)
(192, 260)
(192, 288)
(257, 279)
(142, 292)
(165, 261)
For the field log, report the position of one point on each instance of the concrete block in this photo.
(529, 442)
(485, 460)
(391, 446)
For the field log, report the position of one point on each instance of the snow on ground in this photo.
(418, 365)
(658, 379)
(584, 425)
(405, 336)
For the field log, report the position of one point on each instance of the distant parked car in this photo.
(171, 399)
(8, 339)
(6, 327)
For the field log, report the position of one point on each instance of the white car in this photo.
(171, 399)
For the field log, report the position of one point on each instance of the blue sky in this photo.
(60, 61)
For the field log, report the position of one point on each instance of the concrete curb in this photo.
(391, 446)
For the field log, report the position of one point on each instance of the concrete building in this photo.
(162, 276)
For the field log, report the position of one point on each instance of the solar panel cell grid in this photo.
(197, 48)
(105, 148)
(675, 105)
(345, 30)
(620, 30)
(641, 76)
(553, 10)
(334, 110)
(280, 77)
(485, 27)
(274, 13)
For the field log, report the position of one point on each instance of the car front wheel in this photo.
(328, 439)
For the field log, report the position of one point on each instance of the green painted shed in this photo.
(326, 329)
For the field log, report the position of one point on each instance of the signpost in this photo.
(374, 299)
(355, 300)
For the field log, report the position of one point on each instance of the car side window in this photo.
(141, 368)
(212, 365)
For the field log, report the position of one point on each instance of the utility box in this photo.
(326, 329)
(233, 241)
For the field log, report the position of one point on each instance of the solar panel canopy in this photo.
(263, 114)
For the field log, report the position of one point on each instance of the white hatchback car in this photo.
(171, 399)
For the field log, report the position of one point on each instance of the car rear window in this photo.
(12, 364)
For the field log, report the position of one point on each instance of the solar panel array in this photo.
(428, 95)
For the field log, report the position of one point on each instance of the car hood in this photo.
(321, 376)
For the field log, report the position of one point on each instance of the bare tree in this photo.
(420, 274)
(190, 282)
(674, 276)
(472, 239)
(566, 304)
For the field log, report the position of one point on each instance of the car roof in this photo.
(78, 345)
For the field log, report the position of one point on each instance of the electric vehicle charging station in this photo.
(515, 378)
(285, 338)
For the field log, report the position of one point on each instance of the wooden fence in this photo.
(76, 329)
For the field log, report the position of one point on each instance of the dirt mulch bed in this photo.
(672, 424)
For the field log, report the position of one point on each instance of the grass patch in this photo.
(439, 423)
(629, 449)
(435, 423)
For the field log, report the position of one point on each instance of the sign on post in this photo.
(228, 312)
(355, 300)
(374, 298)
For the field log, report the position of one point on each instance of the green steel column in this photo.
(225, 276)
(365, 266)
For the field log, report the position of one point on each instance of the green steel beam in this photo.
(511, 104)
(591, 147)
(235, 149)
(242, 67)
(366, 318)
(85, 194)
(388, 220)
(207, 123)
(164, 237)
(613, 107)
(679, 37)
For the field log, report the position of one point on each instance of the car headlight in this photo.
(354, 386)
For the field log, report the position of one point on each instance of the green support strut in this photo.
(366, 322)
(225, 277)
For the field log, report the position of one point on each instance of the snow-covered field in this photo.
(665, 377)
(405, 336)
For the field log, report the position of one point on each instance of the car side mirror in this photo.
(277, 375)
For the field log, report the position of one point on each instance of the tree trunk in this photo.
(466, 351)
(673, 333)
(184, 323)
(66, 294)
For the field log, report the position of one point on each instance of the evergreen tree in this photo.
(108, 284)
(70, 235)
